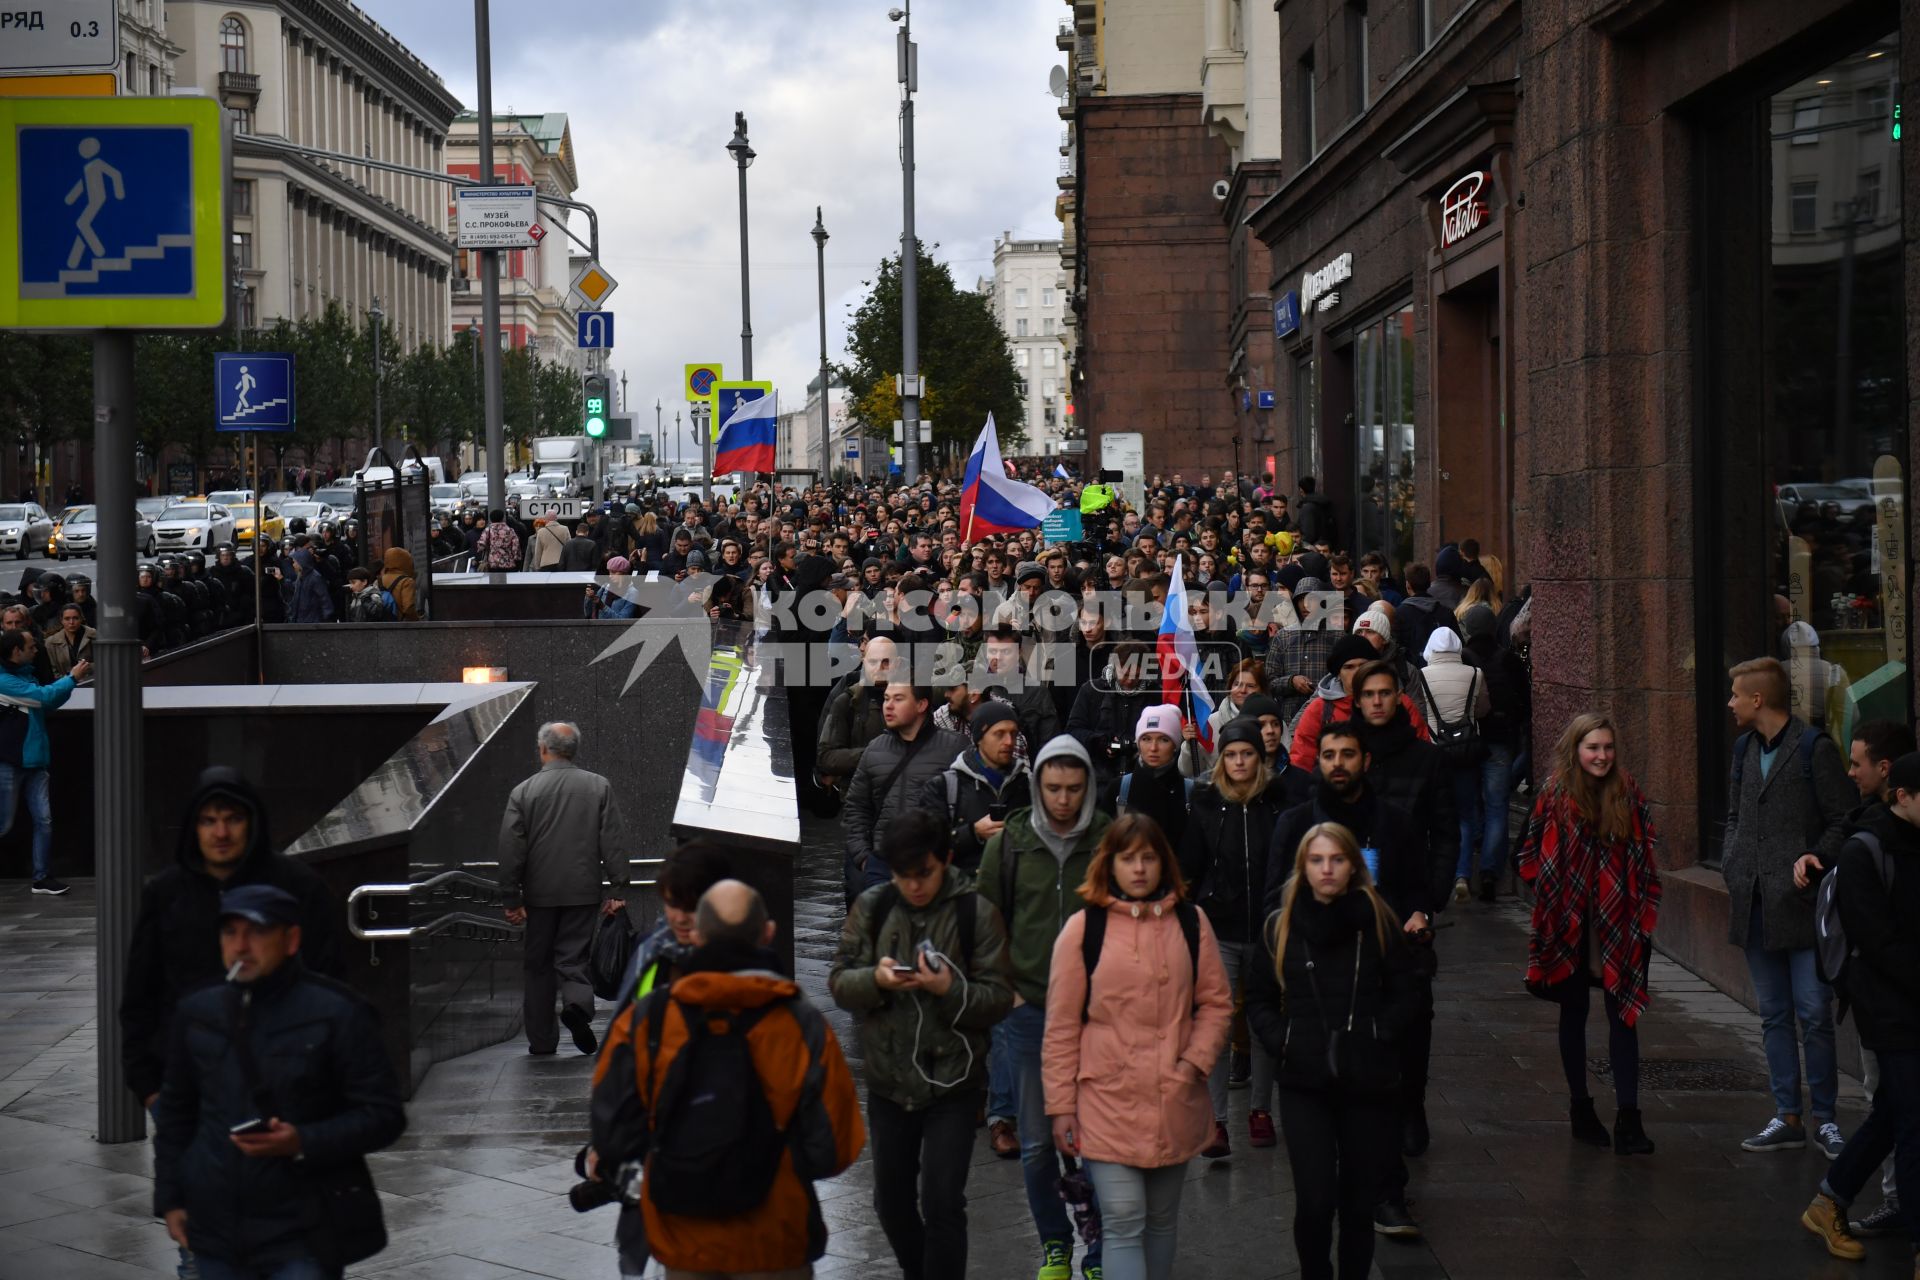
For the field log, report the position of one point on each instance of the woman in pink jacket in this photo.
(1126, 1055)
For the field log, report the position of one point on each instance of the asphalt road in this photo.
(11, 569)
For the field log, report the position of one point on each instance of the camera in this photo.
(623, 1188)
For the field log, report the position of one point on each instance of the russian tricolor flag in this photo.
(748, 414)
(990, 500)
(1060, 471)
(1180, 682)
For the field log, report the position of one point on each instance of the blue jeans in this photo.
(1789, 990)
(1139, 1216)
(294, 1269)
(1892, 1127)
(1000, 1081)
(34, 785)
(1482, 796)
(1025, 1028)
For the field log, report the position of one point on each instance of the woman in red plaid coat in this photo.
(1588, 852)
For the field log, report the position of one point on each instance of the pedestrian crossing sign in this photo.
(116, 213)
(253, 390)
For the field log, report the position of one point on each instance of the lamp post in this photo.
(659, 439)
(909, 75)
(489, 334)
(820, 247)
(377, 316)
(742, 154)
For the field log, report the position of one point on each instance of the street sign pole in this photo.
(489, 274)
(118, 769)
(259, 537)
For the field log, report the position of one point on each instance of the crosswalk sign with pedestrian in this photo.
(254, 390)
(120, 217)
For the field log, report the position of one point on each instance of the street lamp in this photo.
(375, 314)
(820, 247)
(909, 76)
(742, 154)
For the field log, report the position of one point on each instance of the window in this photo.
(1357, 70)
(1306, 419)
(1803, 199)
(248, 318)
(1046, 325)
(153, 80)
(243, 199)
(1872, 108)
(1047, 357)
(1383, 447)
(1867, 203)
(1019, 297)
(130, 78)
(233, 44)
(1806, 122)
(1046, 297)
(1049, 389)
(242, 251)
(1020, 357)
(1303, 95)
(1020, 327)
(243, 119)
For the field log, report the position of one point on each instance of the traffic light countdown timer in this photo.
(598, 387)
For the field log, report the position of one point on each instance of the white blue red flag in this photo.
(1060, 471)
(748, 417)
(990, 500)
(1180, 682)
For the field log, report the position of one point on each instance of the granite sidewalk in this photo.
(475, 1190)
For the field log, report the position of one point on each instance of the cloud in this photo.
(650, 90)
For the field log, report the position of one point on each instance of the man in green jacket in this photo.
(923, 962)
(1030, 873)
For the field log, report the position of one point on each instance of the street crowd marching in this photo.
(1130, 822)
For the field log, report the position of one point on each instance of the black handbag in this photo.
(1461, 744)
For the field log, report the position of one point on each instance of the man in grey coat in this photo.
(1788, 796)
(892, 774)
(556, 839)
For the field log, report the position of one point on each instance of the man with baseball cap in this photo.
(260, 1156)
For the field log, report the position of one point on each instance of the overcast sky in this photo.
(650, 90)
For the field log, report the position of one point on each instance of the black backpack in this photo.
(1833, 954)
(966, 906)
(1095, 937)
(714, 1149)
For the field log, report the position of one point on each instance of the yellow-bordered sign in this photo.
(115, 215)
(703, 378)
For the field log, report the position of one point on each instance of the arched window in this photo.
(233, 44)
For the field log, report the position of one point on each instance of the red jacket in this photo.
(1305, 753)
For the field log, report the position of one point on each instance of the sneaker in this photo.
(1090, 1271)
(1059, 1261)
(1240, 1072)
(1828, 1138)
(1004, 1139)
(1393, 1218)
(1777, 1135)
(1220, 1148)
(1260, 1128)
(1882, 1221)
(49, 886)
(1826, 1219)
(580, 1022)
(1462, 890)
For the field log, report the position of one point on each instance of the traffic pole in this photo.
(119, 781)
(489, 274)
(259, 573)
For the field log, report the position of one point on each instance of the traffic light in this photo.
(597, 387)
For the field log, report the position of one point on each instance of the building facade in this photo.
(308, 231)
(528, 150)
(147, 56)
(1029, 296)
(798, 431)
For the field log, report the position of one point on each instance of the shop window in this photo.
(1306, 423)
(1801, 494)
(1383, 447)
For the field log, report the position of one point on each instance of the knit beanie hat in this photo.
(989, 713)
(1346, 649)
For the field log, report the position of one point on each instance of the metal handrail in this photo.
(437, 925)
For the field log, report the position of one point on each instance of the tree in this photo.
(964, 357)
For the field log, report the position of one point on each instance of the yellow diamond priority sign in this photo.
(592, 286)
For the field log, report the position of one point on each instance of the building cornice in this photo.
(372, 51)
(351, 198)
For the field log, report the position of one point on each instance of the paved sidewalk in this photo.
(476, 1188)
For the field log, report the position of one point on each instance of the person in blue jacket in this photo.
(24, 754)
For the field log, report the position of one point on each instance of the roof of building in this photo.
(548, 128)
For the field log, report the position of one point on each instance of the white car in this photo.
(193, 526)
(150, 508)
(231, 497)
(24, 526)
(312, 512)
(444, 498)
(79, 534)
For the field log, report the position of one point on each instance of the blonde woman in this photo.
(1327, 995)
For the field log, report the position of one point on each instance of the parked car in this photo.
(273, 522)
(444, 498)
(78, 534)
(24, 526)
(338, 496)
(231, 497)
(150, 508)
(188, 526)
(312, 512)
(279, 497)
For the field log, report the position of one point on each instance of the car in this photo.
(150, 508)
(273, 523)
(310, 511)
(231, 497)
(190, 526)
(78, 534)
(1848, 502)
(24, 526)
(445, 498)
(279, 497)
(340, 497)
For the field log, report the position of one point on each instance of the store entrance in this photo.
(1474, 452)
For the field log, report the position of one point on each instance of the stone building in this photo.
(1028, 293)
(146, 54)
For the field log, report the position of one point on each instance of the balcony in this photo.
(1067, 174)
(1063, 39)
(239, 84)
(1066, 141)
(1067, 101)
(1085, 14)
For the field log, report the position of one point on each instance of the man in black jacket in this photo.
(1411, 774)
(223, 843)
(1419, 615)
(1397, 857)
(983, 785)
(259, 1148)
(890, 779)
(1878, 897)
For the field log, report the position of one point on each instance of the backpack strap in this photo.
(1189, 917)
(953, 792)
(883, 904)
(657, 1002)
(1809, 739)
(1091, 940)
(1126, 788)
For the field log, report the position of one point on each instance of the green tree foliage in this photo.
(964, 357)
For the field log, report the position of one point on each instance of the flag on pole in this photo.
(1180, 681)
(991, 501)
(1060, 471)
(748, 416)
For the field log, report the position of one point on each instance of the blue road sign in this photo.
(853, 448)
(1286, 314)
(596, 330)
(106, 212)
(253, 390)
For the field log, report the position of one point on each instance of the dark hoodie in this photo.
(1883, 981)
(176, 941)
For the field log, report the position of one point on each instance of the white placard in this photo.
(497, 217)
(59, 35)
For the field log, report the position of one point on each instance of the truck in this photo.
(563, 458)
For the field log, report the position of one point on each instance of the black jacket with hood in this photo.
(1883, 981)
(1403, 880)
(176, 941)
(1415, 778)
(1228, 851)
(973, 796)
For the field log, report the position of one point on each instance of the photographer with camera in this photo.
(1108, 707)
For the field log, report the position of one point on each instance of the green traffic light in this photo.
(596, 427)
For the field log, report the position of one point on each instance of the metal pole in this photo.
(119, 779)
(489, 274)
(909, 267)
(743, 156)
(703, 419)
(659, 434)
(259, 536)
(377, 315)
(820, 245)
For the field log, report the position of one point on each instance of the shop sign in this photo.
(1286, 314)
(1462, 211)
(1316, 283)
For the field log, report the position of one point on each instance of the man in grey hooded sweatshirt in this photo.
(1030, 872)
